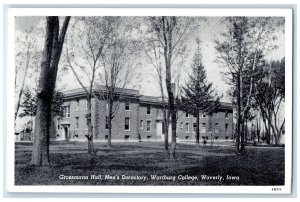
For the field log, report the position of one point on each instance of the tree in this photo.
(29, 104)
(270, 94)
(172, 34)
(118, 68)
(241, 50)
(53, 45)
(85, 58)
(154, 53)
(198, 94)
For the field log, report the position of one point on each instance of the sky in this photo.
(207, 32)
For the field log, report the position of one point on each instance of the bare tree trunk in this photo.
(197, 129)
(268, 135)
(109, 134)
(258, 130)
(166, 128)
(238, 129)
(167, 27)
(110, 105)
(40, 153)
(280, 130)
(242, 138)
(90, 136)
(276, 132)
(173, 116)
(51, 55)
(166, 114)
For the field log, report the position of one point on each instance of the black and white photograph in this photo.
(154, 98)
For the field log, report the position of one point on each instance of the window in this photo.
(181, 125)
(106, 122)
(148, 109)
(148, 129)
(76, 122)
(66, 111)
(77, 104)
(127, 123)
(187, 115)
(194, 127)
(203, 129)
(204, 115)
(226, 128)
(127, 106)
(187, 127)
(216, 127)
(226, 115)
(58, 125)
(141, 124)
(106, 106)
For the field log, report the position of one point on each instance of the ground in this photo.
(259, 166)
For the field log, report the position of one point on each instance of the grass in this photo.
(259, 166)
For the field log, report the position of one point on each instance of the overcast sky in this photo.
(208, 33)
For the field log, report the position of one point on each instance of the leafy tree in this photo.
(198, 94)
(29, 104)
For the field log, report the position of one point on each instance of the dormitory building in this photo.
(138, 118)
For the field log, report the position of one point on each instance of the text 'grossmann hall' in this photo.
(139, 118)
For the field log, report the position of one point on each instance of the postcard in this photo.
(148, 100)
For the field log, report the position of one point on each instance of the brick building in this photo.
(139, 118)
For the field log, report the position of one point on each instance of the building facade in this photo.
(138, 118)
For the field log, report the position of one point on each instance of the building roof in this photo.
(154, 100)
(79, 92)
(150, 99)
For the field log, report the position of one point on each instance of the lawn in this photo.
(138, 163)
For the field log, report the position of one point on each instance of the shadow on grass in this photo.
(256, 167)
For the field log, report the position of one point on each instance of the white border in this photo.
(287, 13)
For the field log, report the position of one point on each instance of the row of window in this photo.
(203, 128)
(148, 125)
(126, 124)
(127, 105)
(187, 115)
(66, 110)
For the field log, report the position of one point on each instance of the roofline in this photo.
(156, 100)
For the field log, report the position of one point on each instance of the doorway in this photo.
(65, 132)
